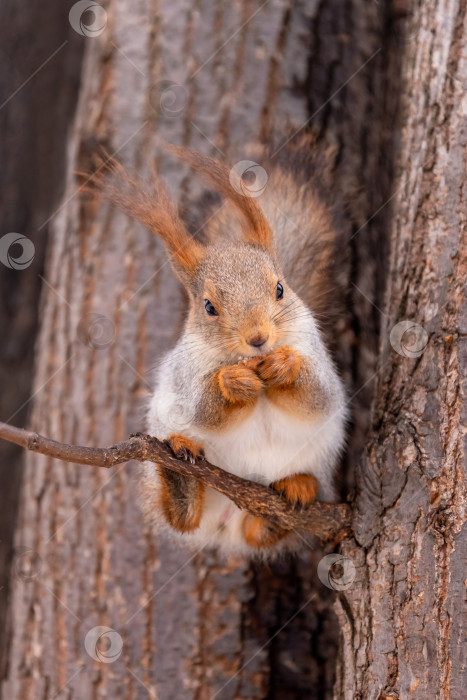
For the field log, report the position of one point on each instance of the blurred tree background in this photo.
(373, 81)
(40, 64)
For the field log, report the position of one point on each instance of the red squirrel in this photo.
(250, 384)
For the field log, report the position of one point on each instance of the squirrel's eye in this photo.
(279, 291)
(210, 308)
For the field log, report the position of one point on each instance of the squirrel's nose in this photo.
(257, 341)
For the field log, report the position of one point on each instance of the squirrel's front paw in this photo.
(299, 489)
(279, 368)
(185, 448)
(239, 384)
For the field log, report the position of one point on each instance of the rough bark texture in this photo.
(38, 50)
(403, 621)
(328, 521)
(192, 627)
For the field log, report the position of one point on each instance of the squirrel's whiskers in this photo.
(250, 383)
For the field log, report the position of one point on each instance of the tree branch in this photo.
(326, 520)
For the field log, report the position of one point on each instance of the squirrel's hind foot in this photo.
(299, 489)
(261, 532)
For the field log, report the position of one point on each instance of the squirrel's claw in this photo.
(185, 448)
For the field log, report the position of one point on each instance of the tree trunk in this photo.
(192, 627)
(38, 50)
(403, 620)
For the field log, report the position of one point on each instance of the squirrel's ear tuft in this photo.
(153, 208)
(256, 229)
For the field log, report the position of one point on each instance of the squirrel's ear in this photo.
(157, 212)
(256, 228)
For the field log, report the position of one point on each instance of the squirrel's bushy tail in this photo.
(296, 204)
(302, 209)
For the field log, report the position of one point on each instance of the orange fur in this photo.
(256, 325)
(181, 497)
(185, 448)
(280, 367)
(257, 229)
(182, 508)
(261, 532)
(304, 397)
(217, 412)
(299, 489)
(155, 210)
(239, 384)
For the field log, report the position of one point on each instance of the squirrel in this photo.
(250, 384)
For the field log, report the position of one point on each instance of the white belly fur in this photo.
(270, 444)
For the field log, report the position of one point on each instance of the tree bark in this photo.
(38, 49)
(193, 627)
(328, 521)
(403, 621)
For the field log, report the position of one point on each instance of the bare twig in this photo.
(326, 520)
